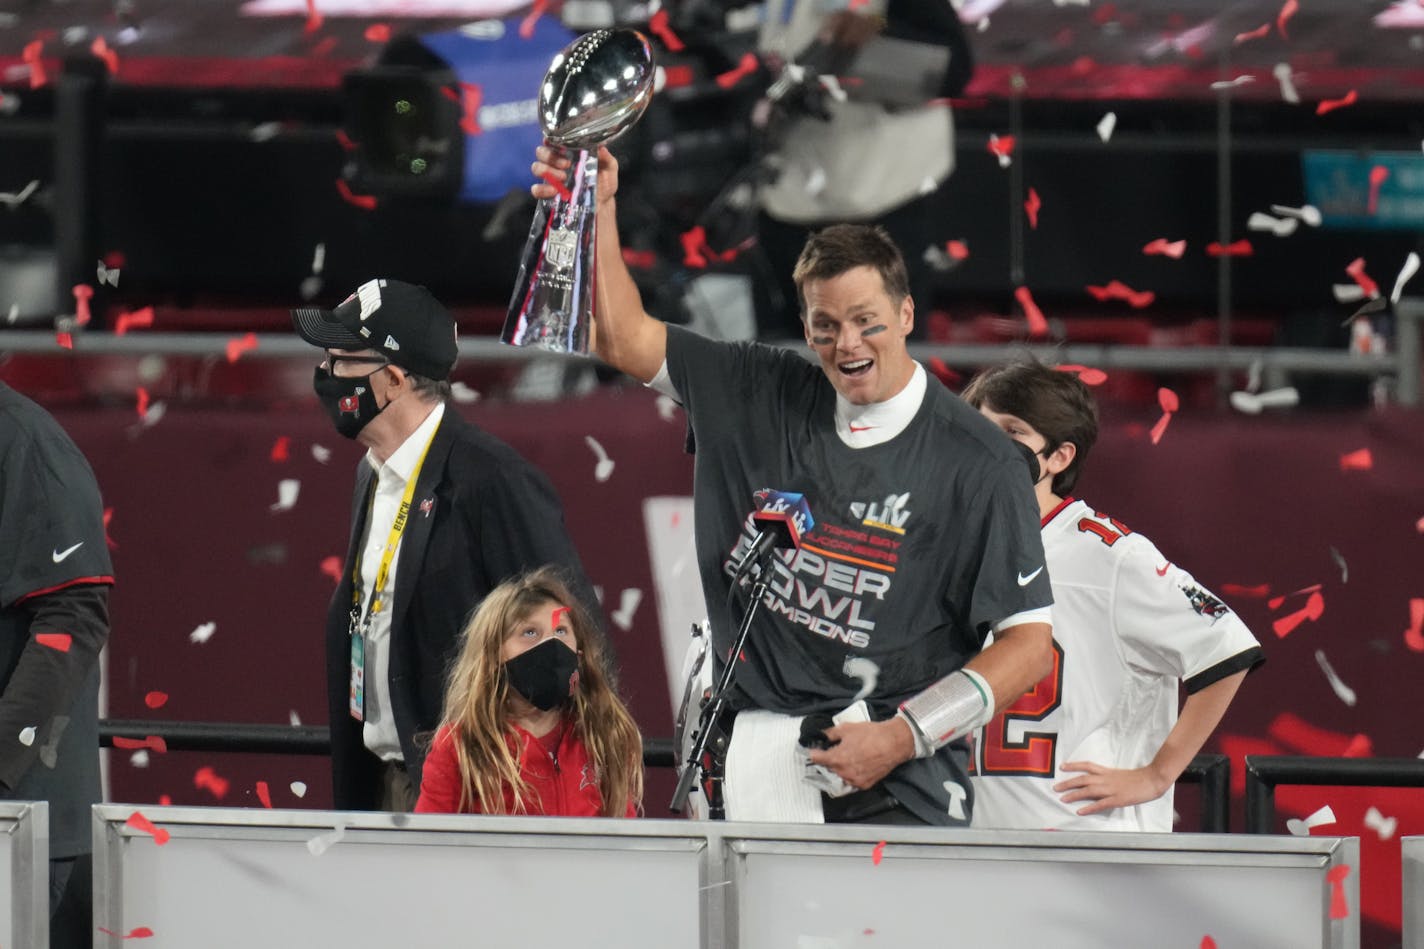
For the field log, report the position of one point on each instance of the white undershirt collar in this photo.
(861, 426)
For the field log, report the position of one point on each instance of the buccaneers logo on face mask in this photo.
(349, 404)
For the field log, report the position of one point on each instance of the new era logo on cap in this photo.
(414, 331)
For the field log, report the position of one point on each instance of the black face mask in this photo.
(546, 675)
(350, 402)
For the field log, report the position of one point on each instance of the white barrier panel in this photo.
(24, 873)
(1412, 849)
(239, 877)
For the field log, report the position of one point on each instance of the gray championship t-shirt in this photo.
(921, 544)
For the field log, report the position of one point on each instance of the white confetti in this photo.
(318, 260)
(203, 633)
(1406, 274)
(109, 275)
(321, 843)
(1283, 75)
(14, 313)
(1005, 158)
(1253, 402)
(1377, 822)
(1281, 227)
(1339, 559)
(294, 718)
(463, 394)
(154, 414)
(1308, 214)
(1302, 828)
(265, 132)
(1346, 694)
(13, 200)
(27, 735)
(287, 491)
(667, 408)
(1253, 376)
(9, 104)
(832, 85)
(1233, 83)
(603, 470)
(627, 605)
(1106, 125)
(983, 24)
(299, 788)
(139, 759)
(321, 453)
(1347, 292)
(859, 667)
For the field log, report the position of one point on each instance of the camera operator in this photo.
(878, 154)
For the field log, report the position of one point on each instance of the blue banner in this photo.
(1369, 190)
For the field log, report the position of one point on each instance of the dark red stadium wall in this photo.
(1237, 500)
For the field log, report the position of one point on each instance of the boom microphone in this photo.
(781, 518)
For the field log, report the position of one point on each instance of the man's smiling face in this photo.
(859, 333)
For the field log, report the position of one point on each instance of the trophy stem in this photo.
(552, 304)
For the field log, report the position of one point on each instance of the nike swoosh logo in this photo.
(1162, 570)
(1026, 580)
(861, 428)
(60, 556)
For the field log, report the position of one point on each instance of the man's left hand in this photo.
(865, 752)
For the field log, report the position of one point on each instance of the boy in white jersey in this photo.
(1098, 744)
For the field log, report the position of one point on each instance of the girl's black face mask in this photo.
(545, 676)
(349, 401)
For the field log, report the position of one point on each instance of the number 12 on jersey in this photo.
(1035, 754)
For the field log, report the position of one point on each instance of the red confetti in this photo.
(526, 26)
(366, 202)
(1168, 400)
(331, 566)
(1241, 248)
(1037, 324)
(745, 67)
(677, 76)
(1298, 734)
(1330, 105)
(945, 374)
(378, 33)
(140, 823)
(1314, 608)
(1379, 174)
(313, 18)
(56, 641)
(139, 932)
(1414, 635)
(64, 340)
(239, 345)
(264, 795)
(102, 50)
(142, 402)
(109, 516)
(559, 611)
(154, 742)
(128, 321)
(556, 181)
(693, 242)
(659, 25)
(1160, 429)
(1256, 593)
(344, 141)
(1339, 906)
(957, 250)
(206, 778)
(1001, 147)
(1031, 208)
(165, 800)
(155, 699)
(1276, 601)
(1287, 11)
(1208, 942)
(1361, 460)
(640, 259)
(878, 853)
(280, 448)
(83, 293)
(31, 56)
(1356, 270)
(471, 97)
(1166, 248)
(1255, 34)
(1117, 290)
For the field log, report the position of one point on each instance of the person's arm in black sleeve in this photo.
(934, 21)
(47, 679)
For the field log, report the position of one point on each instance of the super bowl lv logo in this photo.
(889, 514)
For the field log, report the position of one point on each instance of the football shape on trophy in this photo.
(595, 90)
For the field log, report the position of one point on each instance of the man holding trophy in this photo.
(925, 538)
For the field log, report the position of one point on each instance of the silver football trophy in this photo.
(595, 90)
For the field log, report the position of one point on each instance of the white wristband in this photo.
(950, 708)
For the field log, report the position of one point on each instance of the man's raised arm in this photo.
(624, 335)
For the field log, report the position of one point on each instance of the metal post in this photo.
(1260, 800)
(1223, 225)
(1215, 793)
(77, 130)
(1408, 315)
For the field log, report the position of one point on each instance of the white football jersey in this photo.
(1128, 626)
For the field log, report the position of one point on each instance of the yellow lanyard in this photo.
(389, 554)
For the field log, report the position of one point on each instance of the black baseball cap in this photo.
(402, 321)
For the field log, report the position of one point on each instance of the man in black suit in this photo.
(442, 513)
(54, 619)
